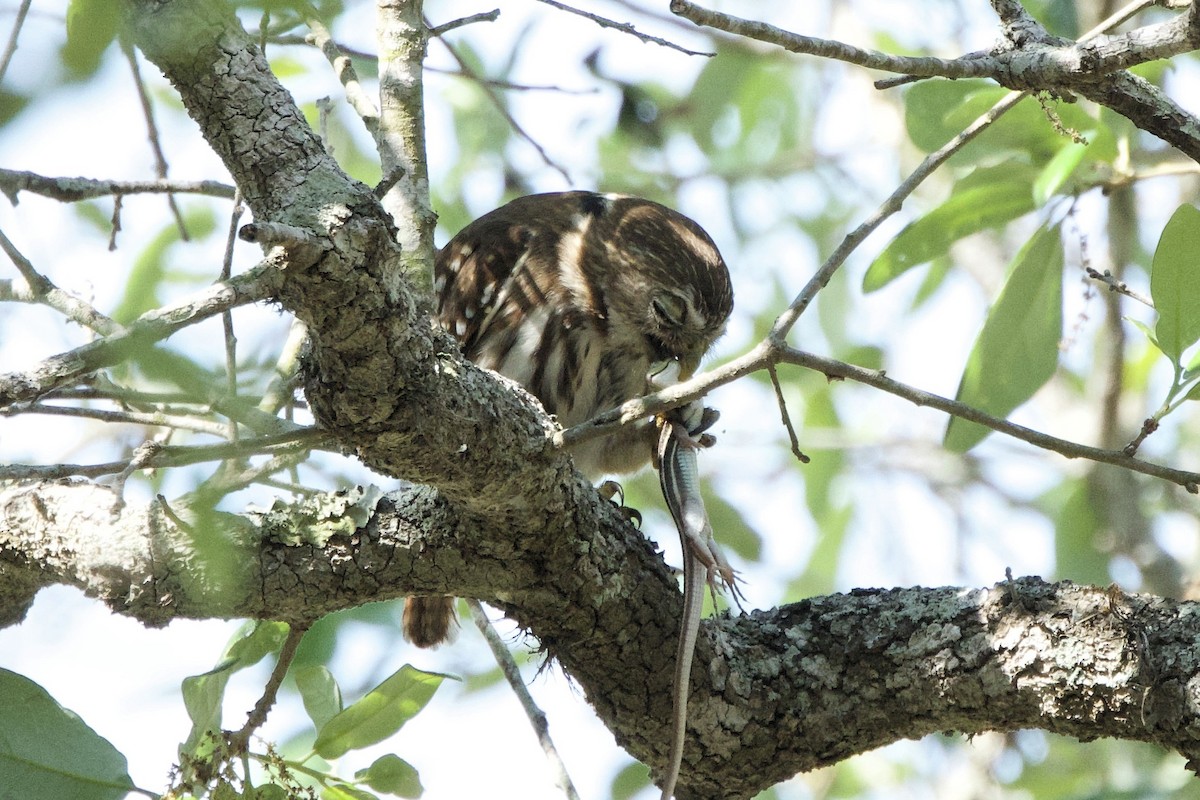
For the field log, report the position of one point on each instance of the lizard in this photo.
(704, 565)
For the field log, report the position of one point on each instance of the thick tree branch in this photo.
(379, 376)
(778, 692)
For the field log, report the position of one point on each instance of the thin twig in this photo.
(255, 719)
(785, 321)
(115, 225)
(786, 417)
(455, 24)
(504, 112)
(1118, 286)
(625, 27)
(59, 370)
(10, 48)
(230, 478)
(1056, 63)
(160, 159)
(765, 354)
(537, 718)
(510, 85)
(150, 419)
(878, 380)
(231, 387)
(280, 391)
(142, 456)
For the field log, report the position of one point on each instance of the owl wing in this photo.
(497, 272)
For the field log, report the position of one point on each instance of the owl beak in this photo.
(688, 364)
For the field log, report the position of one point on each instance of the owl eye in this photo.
(669, 309)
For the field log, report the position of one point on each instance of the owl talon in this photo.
(611, 491)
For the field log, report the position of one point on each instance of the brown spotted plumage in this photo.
(579, 297)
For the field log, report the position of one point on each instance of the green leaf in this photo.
(48, 752)
(1073, 508)
(983, 205)
(1145, 329)
(1056, 172)
(320, 693)
(629, 780)
(379, 714)
(91, 28)
(344, 791)
(392, 774)
(1174, 285)
(151, 269)
(936, 111)
(1017, 350)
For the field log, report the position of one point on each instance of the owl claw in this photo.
(611, 491)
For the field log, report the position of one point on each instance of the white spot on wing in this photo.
(570, 259)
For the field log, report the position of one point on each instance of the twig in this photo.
(280, 390)
(402, 38)
(508, 117)
(878, 380)
(230, 478)
(455, 24)
(1149, 426)
(1042, 61)
(70, 190)
(785, 321)
(510, 85)
(923, 66)
(151, 419)
(142, 456)
(114, 226)
(537, 718)
(786, 417)
(1118, 286)
(240, 740)
(10, 48)
(43, 290)
(343, 67)
(625, 27)
(765, 355)
(160, 160)
(231, 387)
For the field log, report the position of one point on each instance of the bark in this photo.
(774, 692)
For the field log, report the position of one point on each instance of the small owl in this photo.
(581, 298)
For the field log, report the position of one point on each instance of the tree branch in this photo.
(254, 285)
(1032, 60)
(782, 691)
(71, 190)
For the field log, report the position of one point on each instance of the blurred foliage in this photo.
(778, 156)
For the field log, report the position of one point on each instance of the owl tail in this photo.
(427, 619)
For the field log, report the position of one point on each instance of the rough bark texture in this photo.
(774, 693)
(509, 522)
